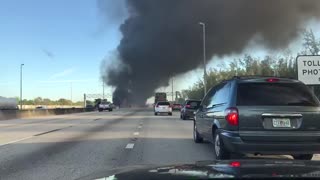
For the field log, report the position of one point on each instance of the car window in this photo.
(208, 98)
(163, 103)
(221, 95)
(275, 94)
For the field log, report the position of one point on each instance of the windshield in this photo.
(91, 86)
(275, 94)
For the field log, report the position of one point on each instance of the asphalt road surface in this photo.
(78, 145)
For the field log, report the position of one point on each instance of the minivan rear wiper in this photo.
(220, 104)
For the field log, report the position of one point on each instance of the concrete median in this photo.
(18, 114)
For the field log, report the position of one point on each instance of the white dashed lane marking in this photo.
(130, 146)
(136, 133)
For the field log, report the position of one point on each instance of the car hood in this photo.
(216, 169)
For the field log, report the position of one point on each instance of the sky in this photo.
(62, 45)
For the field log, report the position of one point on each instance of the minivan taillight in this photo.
(232, 116)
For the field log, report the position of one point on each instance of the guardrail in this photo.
(17, 114)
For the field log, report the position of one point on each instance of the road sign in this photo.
(309, 69)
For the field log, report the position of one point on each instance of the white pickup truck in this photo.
(105, 106)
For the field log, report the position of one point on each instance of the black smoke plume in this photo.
(162, 38)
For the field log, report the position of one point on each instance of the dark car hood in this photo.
(217, 169)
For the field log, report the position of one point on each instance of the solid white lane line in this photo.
(136, 133)
(11, 142)
(129, 146)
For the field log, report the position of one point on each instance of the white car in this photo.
(162, 107)
(105, 106)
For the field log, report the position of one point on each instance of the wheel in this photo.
(196, 136)
(302, 156)
(180, 116)
(219, 149)
(155, 113)
(170, 114)
(110, 110)
(100, 110)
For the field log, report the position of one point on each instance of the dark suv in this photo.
(188, 109)
(260, 115)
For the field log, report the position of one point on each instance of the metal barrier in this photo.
(17, 114)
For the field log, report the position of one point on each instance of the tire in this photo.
(100, 110)
(170, 114)
(110, 110)
(302, 156)
(196, 136)
(155, 113)
(220, 151)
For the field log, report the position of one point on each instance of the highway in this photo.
(78, 145)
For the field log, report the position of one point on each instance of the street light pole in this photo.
(21, 65)
(172, 91)
(71, 93)
(204, 57)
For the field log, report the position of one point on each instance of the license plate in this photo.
(281, 122)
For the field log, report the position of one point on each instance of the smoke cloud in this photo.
(163, 38)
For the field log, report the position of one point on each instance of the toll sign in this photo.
(309, 69)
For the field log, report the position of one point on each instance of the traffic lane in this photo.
(168, 140)
(164, 140)
(69, 153)
(24, 130)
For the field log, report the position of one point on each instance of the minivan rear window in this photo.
(164, 103)
(275, 94)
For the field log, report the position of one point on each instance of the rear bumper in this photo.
(189, 113)
(163, 110)
(235, 144)
(105, 108)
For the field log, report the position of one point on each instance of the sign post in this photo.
(308, 68)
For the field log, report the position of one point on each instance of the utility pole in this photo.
(204, 57)
(71, 93)
(21, 65)
(172, 91)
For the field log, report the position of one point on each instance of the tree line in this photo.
(280, 65)
(47, 101)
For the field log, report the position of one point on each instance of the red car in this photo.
(176, 107)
